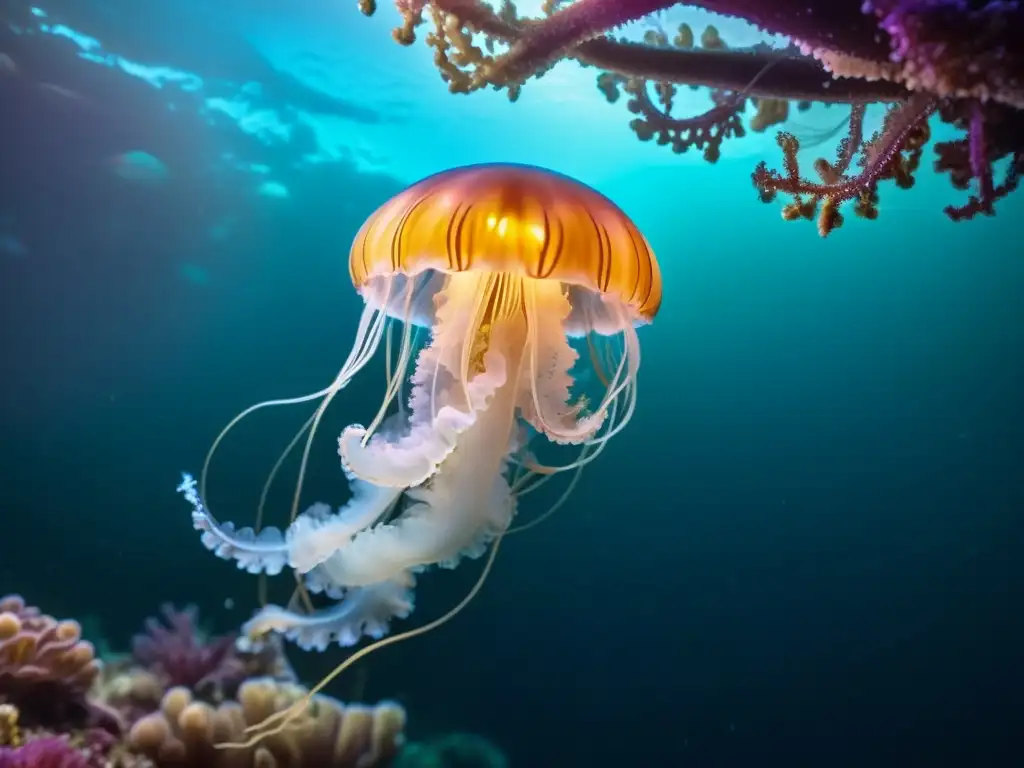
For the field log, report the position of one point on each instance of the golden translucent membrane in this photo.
(513, 219)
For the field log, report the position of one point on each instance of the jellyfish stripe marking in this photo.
(518, 208)
(396, 239)
(366, 240)
(601, 265)
(470, 236)
(557, 249)
(545, 248)
(460, 248)
(607, 241)
(451, 247)
(362, 255)
(648, 264)
(605, 253)
(639, 265)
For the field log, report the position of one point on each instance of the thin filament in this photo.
(554, 507)
(281, 720)
(357, 360)
(394, 387)
(343, 377)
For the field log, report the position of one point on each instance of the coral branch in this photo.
(993, 134)
(705, 131)
(790, 77)
(957, 48)
(894, 153)
(980, 165)
(562, 32)
(965, 55)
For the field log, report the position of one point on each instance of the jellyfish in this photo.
(491, 288)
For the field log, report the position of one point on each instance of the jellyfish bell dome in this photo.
(516, 220)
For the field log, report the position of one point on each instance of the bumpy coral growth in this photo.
(705, 131)
(47, 718)
(330, 734)
(127, 689)
(10, 730)
(46, 668)
(893, 153)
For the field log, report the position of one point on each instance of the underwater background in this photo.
(804, 549)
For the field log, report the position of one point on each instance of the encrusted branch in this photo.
(893, 153)
(704, 131)
(961, 58)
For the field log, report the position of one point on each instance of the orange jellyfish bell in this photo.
(513, 219)
(523, 279)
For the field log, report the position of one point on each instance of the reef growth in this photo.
(960, 61)
(175, 701)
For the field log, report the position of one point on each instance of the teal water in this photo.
(804, 548)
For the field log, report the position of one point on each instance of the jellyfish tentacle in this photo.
(435, 421)
(364, 612)
(547, 378)
(316, 534)
(263, 552)
(367, 346)
(280, 721)
(467, 501)
(623, 385)
(319, 582)
(368, 337)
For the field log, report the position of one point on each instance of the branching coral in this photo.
(330, 734)
(179, 654)
(706, 131)
(960, 59)
(893, 153)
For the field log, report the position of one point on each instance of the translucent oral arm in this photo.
(365, 611)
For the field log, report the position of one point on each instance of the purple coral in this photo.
(180, 655)
(177, 652)
(43, 753)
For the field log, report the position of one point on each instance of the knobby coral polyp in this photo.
(959, 60)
